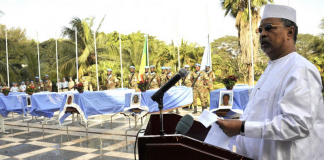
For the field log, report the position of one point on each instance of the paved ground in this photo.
(102, 142)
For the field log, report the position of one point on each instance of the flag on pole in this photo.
(144, 61)
(206, 60)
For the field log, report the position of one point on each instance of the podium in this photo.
(152, 146)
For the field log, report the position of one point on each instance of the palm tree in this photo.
(239, 9)
(85, 43)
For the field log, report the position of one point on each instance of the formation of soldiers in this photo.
(200, 81)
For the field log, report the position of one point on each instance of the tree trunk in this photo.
(244, 35)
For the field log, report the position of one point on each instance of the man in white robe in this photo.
(284, 119)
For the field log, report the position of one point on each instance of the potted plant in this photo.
(229, 82)
(30, 90)
(143, 85)
(79, 87)
(5, 91)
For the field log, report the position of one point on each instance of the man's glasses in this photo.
(267, 27)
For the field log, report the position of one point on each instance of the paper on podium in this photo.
(207, 118)
(217, 137)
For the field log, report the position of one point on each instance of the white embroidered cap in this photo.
(279, 11)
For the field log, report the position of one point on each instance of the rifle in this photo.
(130, 80)
(183, 81)
(193, 84)
(151, 81)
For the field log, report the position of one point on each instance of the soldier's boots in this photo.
(195, 110)
(190, 107)
(177, 111)
(202, 108)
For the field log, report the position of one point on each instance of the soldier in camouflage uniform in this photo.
(31, 84)
(85, 84)
(154, 79)
(71, 84)
(47, 84)
(133, 79)
(186, 81)
(209, 84)
(169, 74)
(38, 85)
(112, 82)
(144, 76)
(163, 76)
(198, 77)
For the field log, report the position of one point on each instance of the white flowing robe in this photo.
(285, 114)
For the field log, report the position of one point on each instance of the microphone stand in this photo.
(160, 102)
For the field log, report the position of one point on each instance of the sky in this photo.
(168, 20)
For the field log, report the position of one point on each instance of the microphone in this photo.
(159, 94)
(184, 124)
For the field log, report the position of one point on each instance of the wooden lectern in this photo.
(152, 146)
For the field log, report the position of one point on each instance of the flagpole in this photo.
(121, 63)
(251, 41)
(178, 47)
(38, 57)
(7, 59)
(95, 42)
(56, 59)
(76, 53)
(211, 63)
(147, 51)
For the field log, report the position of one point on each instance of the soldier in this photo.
(132, 79)
(22, 87)
(112, 82)
(186, 81)
(4, 86)
(38, 85)
(144, 76)
(71, 84)
(198, 77)
(41, 85)
(31, 83)
(47, 84)
(14, 87)
(163, 76)
(85, 84)
(154, 80)
(59, 85)
(169, 74)
(209, 84)
(65, 85)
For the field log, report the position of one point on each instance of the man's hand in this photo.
(231, 127)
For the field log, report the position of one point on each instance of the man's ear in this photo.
(291, 31)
